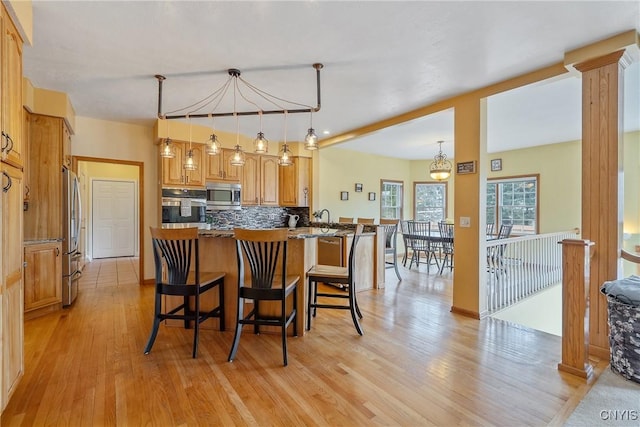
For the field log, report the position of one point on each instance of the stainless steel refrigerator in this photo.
(72, 217)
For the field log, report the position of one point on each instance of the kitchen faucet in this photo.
(328, 214)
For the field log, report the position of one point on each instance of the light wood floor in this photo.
(417, 364)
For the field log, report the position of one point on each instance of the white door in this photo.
(113, 214)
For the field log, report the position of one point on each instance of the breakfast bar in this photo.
(218, 253)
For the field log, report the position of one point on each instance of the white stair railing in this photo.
(518, 267)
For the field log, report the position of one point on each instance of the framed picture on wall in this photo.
(496, 165)
(358, 188)
(372, 196)
(344, 195)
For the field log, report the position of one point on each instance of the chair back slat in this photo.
(175, 247)
(262, 250)
(505, 231)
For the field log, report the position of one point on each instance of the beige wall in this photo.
(631, 212)
(121, 141)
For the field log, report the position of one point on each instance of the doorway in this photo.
(93, 168)
(113, 218)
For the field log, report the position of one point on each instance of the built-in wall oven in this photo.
(183, 208)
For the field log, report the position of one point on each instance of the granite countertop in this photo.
(296, 233)
(39, 241)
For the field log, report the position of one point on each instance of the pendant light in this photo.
(237, 159)
(213, 145)
(440, 168)
(189, 162)
(260, 144)
(311, 140)
(284, 158)
(167, 149)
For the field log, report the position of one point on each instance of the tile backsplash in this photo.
(257, 217)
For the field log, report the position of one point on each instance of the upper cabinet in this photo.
(11, 92)
(48, 138)
(294, 183)
(219, 167)
(173, 172)
(260, 180)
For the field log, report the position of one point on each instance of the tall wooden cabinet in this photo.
(12, 318)
(260, 181)
(11, 217)
(47, 148)
(294, 183)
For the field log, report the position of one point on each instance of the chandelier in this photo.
(208, 107)
(440, 168)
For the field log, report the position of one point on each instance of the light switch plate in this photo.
(465, 221)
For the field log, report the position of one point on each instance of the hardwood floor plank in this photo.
(417, 364)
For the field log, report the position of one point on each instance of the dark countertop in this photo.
(297, 233)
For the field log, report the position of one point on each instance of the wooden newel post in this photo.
(575, 307)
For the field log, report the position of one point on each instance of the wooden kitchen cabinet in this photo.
(11, 215)
(11, 274)
(219, 167)
(260, 180)
(47, 138)
(42, 275)
(294, 183)
(11, 93)
(173, 172)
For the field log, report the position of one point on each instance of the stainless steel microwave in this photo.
(223, 195)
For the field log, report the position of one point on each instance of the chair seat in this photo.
(274, 292)
(329, 271)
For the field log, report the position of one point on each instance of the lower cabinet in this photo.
(42, 276)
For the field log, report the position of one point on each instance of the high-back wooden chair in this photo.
(390, 227)
(345, 220)
(265, 252)
(178, 250)
(420, 241)
(446, 236)
(365, 220)
(340, 275)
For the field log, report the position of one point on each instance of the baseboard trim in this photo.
(465, 312)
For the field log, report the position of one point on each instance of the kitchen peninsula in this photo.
(218, 253)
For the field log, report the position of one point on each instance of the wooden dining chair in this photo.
(265, 251)
(495, 254)
(421, 242)
(177, 249)
(334, 274)
(365, 220)
(404, 230)
(446, 236)
(390, 227)
(345, 220)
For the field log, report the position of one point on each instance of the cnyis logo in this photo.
(619, 415)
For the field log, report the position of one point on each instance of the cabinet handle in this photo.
(5, 142)
(57, 252)
(9, 143)
(9, 182)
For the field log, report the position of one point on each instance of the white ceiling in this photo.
(380, 59)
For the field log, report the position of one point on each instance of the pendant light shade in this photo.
(189, 163)
(260, 144)
(167, 149)
(311, 140)
(440, 168)
(284, 158)
(237, 159)
(213, 145)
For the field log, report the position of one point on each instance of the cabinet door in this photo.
(172, 171)
(231, 172)
(12, 292)
(11, 91)
(42, 275)
(213, 170)
(269, 180)
(195, 178)
(294, 183)
(250, 178)
(43, 219)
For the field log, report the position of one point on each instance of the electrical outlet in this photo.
(465, 221)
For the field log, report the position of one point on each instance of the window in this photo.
(430, 201)
(391, 199)
(513, 201)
